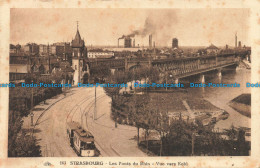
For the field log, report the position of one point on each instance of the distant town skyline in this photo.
(192, 27)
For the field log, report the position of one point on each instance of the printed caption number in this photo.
(62, 162)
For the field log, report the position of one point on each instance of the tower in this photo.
(78, 54)
(236, 40)
(128, 42)
(175, 43)
(150, 41)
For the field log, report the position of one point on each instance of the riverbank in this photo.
(172, 104)
(242, 104)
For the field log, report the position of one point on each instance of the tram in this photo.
(81, 141)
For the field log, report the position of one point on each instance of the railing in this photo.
(185, 66)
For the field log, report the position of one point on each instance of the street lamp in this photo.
(167, 79)
(95, 108)
(193, 137)
(31, 114)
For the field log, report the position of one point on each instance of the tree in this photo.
(26, 146)
(19, 143)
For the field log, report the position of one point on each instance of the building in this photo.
(35, 48)
(26, 48)
(31, 48)
(226, 47)
(212, 49)
(79, 54)
(18, 67)
(12, 49)
(175, 43)
(59, 49)
(102, 54)
(239, 44)
(44, 49)
(62, 48)
(63, 67)
(18, 72)
(128, 42)
(53, 49)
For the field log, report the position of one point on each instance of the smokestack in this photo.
(150, 41)
(236, 41)
(134, 43)
(153, 44)
(118, 43)
(128, 42)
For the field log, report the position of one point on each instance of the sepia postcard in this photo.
(130, 83)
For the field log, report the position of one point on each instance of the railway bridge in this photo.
(176, 67)
(179, 68)
(185, 67)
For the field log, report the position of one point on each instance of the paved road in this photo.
(79, 106)
(191, 113)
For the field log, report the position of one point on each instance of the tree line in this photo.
(178, 137)
(20, 141)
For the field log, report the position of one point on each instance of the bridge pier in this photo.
(176, 81)
(112, 71)
(219, 73)
(202, 78)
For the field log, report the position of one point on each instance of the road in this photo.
(79, 106)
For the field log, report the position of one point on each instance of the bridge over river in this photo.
(176, 67)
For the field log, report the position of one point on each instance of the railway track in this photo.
(86, 112)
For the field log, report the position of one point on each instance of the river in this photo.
(221, 96)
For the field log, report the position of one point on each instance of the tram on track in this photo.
(81, 141)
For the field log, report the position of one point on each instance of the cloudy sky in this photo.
(192, 27)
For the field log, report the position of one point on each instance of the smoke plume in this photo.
(158, 24)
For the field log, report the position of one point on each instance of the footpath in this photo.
(39, 110)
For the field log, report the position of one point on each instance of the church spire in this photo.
(77, 41)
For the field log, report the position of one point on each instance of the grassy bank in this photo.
(242, 104)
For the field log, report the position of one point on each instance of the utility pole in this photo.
(192, 144)
(49, 58)
(31, 114)
(166, 81)
(95, 108)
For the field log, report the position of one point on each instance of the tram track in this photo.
(85, 113)
(77, 105)
(87, 109)
(72, 111)
(38, 119)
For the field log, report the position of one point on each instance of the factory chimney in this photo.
(150, 41)
(118, 43)
(236, 40)
(128, 42)
(134, 43)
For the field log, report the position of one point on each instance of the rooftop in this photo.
(212, 47)
(77, 42)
